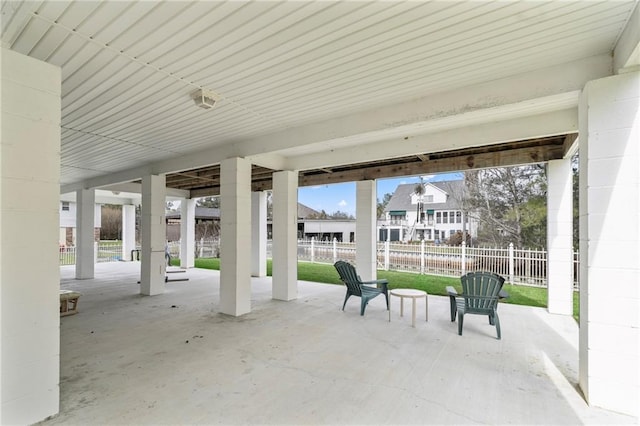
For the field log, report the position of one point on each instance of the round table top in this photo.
(408, 292)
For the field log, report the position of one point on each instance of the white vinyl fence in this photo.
(518, 266)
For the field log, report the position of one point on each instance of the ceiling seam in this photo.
(170, 75)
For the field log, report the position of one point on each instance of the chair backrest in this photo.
(485, 284)
(348, 276)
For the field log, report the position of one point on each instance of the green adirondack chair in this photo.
(356, 287)
(480, 294)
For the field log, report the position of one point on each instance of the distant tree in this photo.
(320, 215)
(419, 190)
(382, 204)
(509, 204)
(341, 215)
(212, 202)
(111, 222)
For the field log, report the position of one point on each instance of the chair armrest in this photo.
(382, 281)
(451, 291)
(378, 283)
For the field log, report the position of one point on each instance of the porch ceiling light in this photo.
(203, 98)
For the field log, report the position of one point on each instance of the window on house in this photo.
(458, 217)
(438, 217)
(428, 198)
(445, 217)
(65, 206)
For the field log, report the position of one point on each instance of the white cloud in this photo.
(342, 203)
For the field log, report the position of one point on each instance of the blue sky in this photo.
(342, 196)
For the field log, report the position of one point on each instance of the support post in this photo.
(153, 235)
(85, 225)
(285, 219)
(30, 220)
(128, 231)
(187, 232)
(560, 237)
(609, 349)
(366, 229)
(259, 234)
(235, 234)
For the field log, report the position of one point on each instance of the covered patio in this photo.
(119, 96)
(174, 359)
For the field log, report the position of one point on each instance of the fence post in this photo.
(464, 258)
(201, 247)
(386, 255)
(422, 257)
(313, 257)
(335, 249)
(511, 263)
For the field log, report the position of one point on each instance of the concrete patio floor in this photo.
(173, 359)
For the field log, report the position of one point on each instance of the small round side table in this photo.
(412, 294)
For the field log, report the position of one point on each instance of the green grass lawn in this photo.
(325, 273)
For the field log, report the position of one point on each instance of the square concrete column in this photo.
(259, 234)
(235, 236)
(560, 237)
(285, 232)
(366, 229)
(610, 243)
(187, 233)
(153, 235)
(29, 223)
(128, 230)
(85, 237)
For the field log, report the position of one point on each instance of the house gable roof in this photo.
(401, 198)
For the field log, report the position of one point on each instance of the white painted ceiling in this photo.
(128, 68)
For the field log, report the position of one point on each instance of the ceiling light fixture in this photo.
(205, 99)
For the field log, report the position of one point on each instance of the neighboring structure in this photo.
(207, 223)
(68, 223)
(435, 215)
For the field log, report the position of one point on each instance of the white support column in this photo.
(128, 230)
(85, 240)
(29, 212)
(153, 235)
(610, 243)
(235, 235)
(285, 220)
(259, 234)
(187, 233)
(560, 237)
(366, 229)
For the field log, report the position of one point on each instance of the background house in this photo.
(434, 215)
(68, 223)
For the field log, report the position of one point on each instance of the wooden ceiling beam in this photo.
(469, 162)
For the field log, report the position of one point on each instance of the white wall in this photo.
(68, 217)
(29, 206)
(610, 243)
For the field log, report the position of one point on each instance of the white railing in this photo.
(104, 251)
(518, 266)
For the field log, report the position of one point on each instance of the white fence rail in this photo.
(518, 266)
(104, 251)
